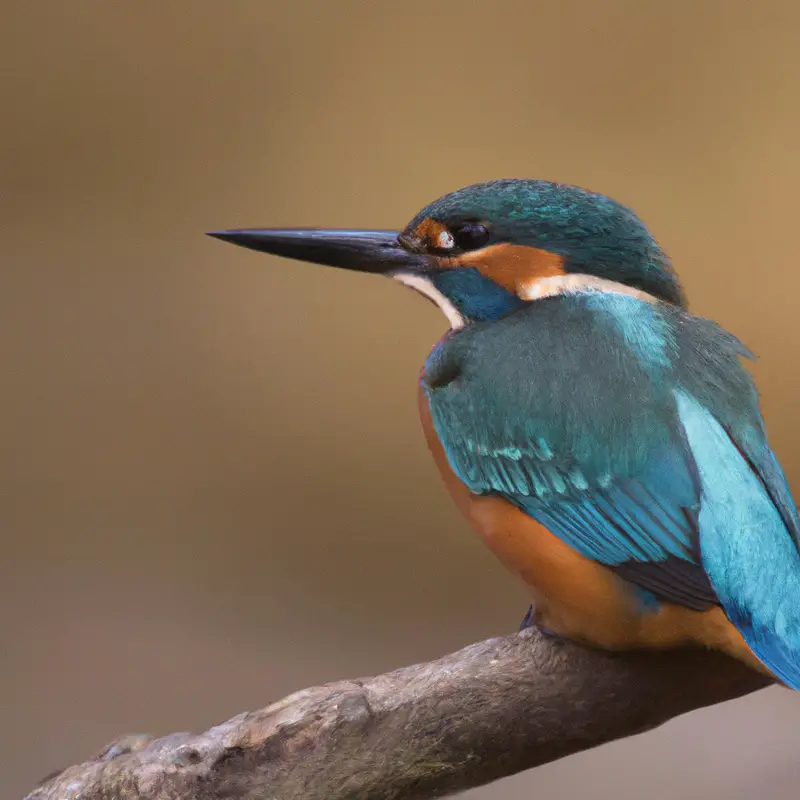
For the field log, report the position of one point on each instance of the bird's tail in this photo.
(750, 555)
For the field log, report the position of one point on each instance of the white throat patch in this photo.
(576, 283)
(425, 287)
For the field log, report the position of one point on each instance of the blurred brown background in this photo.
(214, 489)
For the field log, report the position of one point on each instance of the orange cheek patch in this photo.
(513, 266)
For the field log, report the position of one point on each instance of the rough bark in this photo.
(490, 710)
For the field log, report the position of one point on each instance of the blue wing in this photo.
(575, 411)
(553, 409)
(748, 551)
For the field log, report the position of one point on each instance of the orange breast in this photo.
(574, 595)
(557, 576)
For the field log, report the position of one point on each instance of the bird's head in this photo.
(483, 251)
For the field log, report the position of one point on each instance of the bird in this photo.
(606, 443)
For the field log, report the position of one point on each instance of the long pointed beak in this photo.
(364, 251)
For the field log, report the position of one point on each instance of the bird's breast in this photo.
(554, 572)
(574, 595)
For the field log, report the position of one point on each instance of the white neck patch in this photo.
(575, 284)
(425, 287)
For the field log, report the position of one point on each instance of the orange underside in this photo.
(573, 595)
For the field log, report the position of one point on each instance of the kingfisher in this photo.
(606, 443)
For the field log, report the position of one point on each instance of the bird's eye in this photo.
(471, 236)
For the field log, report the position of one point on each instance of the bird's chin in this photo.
(423, 285)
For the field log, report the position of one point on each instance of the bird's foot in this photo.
(533, 620)
(529, 620)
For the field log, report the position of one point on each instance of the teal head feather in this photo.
(592, 234)
(481, 252)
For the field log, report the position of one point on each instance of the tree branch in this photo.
(490, 710)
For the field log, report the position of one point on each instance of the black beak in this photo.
(365, 251)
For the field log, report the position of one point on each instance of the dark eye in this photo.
(471, 236)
